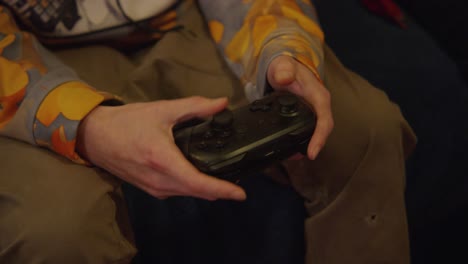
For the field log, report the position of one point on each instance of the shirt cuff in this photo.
(60, 113)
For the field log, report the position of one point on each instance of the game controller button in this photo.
(225, 133)
(287, 100)
(222, 120)
(288, 104)
(202, 145)
(208, 134)
(220, 143)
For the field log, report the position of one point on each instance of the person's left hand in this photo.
(287, 74)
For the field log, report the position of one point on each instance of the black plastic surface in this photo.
(248, 138)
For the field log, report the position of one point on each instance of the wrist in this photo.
(86, 130)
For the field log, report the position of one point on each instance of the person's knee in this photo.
(388, 130)
(64, 235)
(367, 140)
(56, 212)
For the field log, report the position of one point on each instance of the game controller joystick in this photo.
(249, 138)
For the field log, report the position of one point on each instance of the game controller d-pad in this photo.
(250, 137)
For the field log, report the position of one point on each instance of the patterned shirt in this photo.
(42, 101)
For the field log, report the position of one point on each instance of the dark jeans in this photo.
(187, 230)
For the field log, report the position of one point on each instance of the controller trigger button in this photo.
(202, 145)
(288, 104)
(222, 120)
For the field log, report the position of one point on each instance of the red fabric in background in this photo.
(387, 9)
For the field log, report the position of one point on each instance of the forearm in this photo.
(42, 100)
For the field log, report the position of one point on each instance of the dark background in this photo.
(447, 22)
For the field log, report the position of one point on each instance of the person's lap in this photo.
(218, 210)
(360, 134)
(68, 184)
(55, 211)
(370, 133)
(267, 228)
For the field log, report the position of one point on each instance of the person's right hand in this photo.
(135, 143)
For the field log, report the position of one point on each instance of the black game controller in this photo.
(246, 139)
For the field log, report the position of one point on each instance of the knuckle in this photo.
(146, 153)
(326, 96)
(153, 160)
(158, 106)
